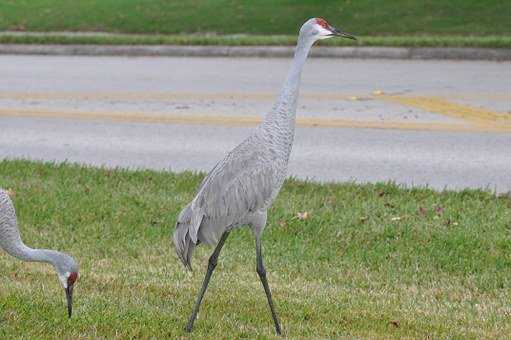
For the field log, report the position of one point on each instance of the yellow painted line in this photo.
(482, 96)
(477, 116)
(176, 118)
(167, 96)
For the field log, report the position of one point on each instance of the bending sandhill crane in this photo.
(11, 242)
(240, 188)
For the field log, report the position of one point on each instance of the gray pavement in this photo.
(442, 124)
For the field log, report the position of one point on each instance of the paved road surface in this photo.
(442, 124)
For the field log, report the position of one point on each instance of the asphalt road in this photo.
(443, 124)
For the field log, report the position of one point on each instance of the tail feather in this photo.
(189, 253)
(183, 243)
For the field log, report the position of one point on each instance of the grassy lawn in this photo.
(425, 23)
(364, 17)
(370, 261)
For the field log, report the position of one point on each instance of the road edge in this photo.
(424, 53)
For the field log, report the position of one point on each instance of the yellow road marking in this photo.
(166, 96)
(477, 116)
(246, 120)
(483, 96)
(481, 119)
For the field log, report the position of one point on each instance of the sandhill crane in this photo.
(241, 187)
(11, 242)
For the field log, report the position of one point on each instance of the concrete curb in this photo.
(447, 53)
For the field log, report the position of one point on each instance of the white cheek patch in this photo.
(323, 33)
(63, 279)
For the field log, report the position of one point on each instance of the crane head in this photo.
(319, 28)
(71, 279)
(67, 270)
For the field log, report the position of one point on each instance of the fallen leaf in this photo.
(10, 192)
(303, 215)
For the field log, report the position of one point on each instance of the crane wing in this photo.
(241, 183)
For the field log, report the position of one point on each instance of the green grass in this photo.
(371, 261)
(255, 40)
(391, 23)
(363, 17)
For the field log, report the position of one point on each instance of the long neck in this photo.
(285, 107)
(24, 253)
(41, 255)
(10, 239)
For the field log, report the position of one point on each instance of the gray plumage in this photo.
(241, 187)
(247, 180)
(10, 241)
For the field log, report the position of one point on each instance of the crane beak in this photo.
(69, 297)
(338, 33)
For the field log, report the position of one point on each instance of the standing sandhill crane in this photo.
(240, 188)
(11, 242)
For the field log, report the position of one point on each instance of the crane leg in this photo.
(261, 271)
(211, 266)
